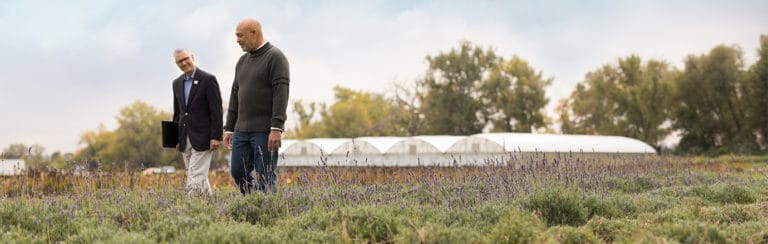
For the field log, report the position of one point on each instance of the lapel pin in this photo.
(195, 82)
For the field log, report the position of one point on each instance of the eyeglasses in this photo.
(182, 60)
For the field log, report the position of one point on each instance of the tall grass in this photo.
(539, 198)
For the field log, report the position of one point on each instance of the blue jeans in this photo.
(249, 152)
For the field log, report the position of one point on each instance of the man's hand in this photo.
(275, 142)
(214, 145)
(228, 141)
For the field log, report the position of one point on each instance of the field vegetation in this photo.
(537, 199)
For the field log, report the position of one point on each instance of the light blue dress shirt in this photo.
(188, 85)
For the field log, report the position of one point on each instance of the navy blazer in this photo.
(202, 118)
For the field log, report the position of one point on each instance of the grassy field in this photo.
(537, 199)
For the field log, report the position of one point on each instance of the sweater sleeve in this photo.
(233, 102)
(232, 109)
(280, 77)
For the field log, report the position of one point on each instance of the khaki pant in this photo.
(197, 164)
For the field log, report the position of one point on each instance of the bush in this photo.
(19, 236)
(422, 215)
(610, 230)
(230, 233)
(636, 185)
(517, 227)
(440, 234)
(297, 203)
(761, 237)
(373, 224)
(92, 234)
(670, 215)
(654, 202)
(165, 228)
(129, 237)
(488, 215)
(610, 207)
(100, 234)
(732, 193)
(691, 232)
(40, 219)
(558, 207)
(452, 218)
(748, 232)
(316, 226)
(186, 216)
(701, 191)
(257, 208)
(723, 193)
(316, 220)
(293, 234)
(568, 234)
(730, 214)
(362, 223)
(133, 216)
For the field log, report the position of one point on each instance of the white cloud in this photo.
(204, 22)
(122, 41)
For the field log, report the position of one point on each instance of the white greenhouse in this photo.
(12, 167)
(475, 145)
(358, 146)
(328, 146)
(309, 152)
(286, 144)
(442, 150)
(424, 145)
(525, 142)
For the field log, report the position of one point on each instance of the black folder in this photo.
(170, 134)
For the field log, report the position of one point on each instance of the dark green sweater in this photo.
(260, 91)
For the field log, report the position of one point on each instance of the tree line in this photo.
(464, 91)
(134, 145)
(716, 103)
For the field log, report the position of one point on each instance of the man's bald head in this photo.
(249, 23)
(249, 34)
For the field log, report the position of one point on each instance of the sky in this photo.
(67, 67)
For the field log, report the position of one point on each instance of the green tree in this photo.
(628, 99)
(35, 157)
(757, 93)
(94, 144)
(354, 114)
(451, 104)
(135, 144)
(409, 99)
(464, 91)
(591, 110)
(306, 113)
(14, 151)
(710, 112)
(514, 96)
(564, 111)
(57, 160)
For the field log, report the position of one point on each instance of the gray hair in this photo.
(180, 50)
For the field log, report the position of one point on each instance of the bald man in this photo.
(257, 110)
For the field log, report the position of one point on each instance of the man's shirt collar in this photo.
(262, 44)
(191, 77)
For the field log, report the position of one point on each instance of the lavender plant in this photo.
(536, 197)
